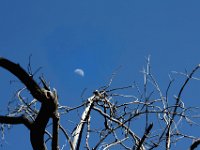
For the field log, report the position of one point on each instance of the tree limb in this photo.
(24, 77)
(16, 120)
(78, 132)
(195, 144)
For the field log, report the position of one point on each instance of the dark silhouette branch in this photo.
(56, 118)
(38, 129)
(24, 77)
(195, 144)
(47, 111)
(48, 107)
(16, 120)
(145, 136)
(55, 133)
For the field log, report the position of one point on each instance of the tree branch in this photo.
(79, 129)
(16, 120)
(56, 118)
(195, 144)
(24, 77)
(147, 131)
(121, 124)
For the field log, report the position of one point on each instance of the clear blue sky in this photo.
(97, 36)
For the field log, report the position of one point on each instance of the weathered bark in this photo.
(79, 129)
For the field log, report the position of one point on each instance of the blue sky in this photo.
(98, 36)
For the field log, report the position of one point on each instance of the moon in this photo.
(79, 72)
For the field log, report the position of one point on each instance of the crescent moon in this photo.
(79, 72)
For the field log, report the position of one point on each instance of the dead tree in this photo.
(118, 115)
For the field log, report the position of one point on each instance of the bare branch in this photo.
(24, 77)
(16, 120)
(121, 124)
(79, 130)
(195, 144)
(147, 131)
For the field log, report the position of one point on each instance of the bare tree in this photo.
(119, 115)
